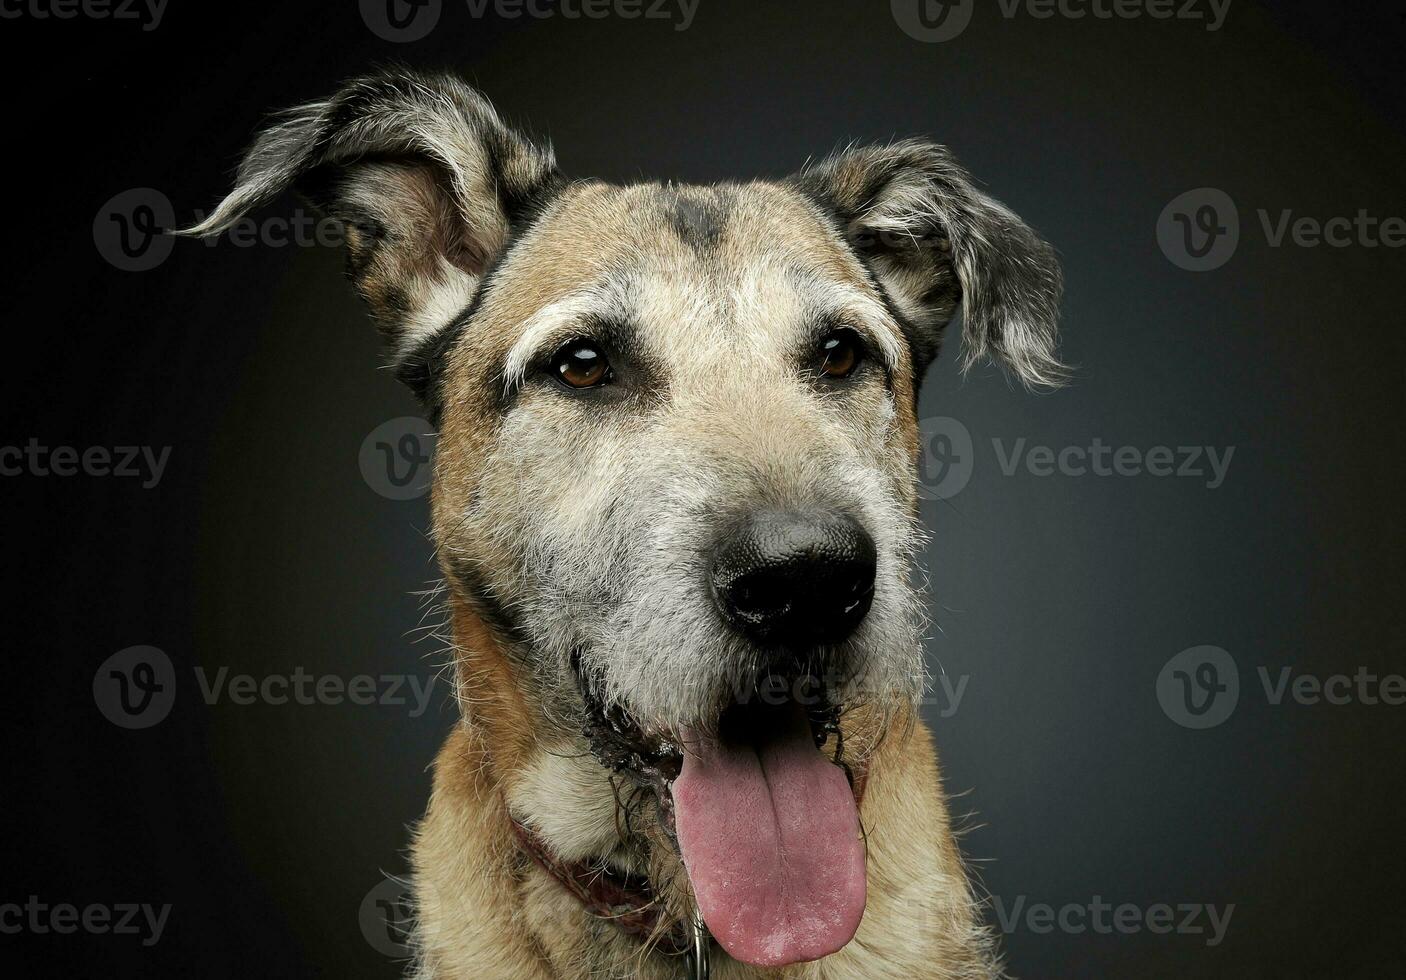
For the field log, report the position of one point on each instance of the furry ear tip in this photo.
(205, 229)
(226, 214)
(1049, 378)
(1038, 372)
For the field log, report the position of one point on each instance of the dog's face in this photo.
(677, 430)
(650, 374)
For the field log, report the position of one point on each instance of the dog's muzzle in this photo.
(763, 815)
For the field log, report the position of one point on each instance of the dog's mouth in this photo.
(764, 816)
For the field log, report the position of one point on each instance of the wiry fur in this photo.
(935, 240)
(574, 529)
(424, 175)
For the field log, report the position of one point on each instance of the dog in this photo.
(675, 507)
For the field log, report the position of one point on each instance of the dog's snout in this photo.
(796, 579)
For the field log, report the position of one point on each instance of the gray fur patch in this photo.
(698, 217)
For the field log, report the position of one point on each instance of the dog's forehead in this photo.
(742, 259)
(719, 226)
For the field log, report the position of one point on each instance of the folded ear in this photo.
(426, 180)
(933, 241)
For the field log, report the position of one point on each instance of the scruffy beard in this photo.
(652, 646)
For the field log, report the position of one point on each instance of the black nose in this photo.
(796, 579)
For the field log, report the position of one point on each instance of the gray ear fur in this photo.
(934, 241)
(425, 178)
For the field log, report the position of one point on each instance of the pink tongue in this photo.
(770, 836)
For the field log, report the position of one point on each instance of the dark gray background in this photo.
(1059, 598)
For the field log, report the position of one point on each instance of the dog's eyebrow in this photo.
(838, 301)
(553, 322)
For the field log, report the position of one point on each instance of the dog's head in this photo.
(677, 424)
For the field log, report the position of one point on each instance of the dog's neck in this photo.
(546, 776)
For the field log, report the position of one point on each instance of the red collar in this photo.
(628, 901)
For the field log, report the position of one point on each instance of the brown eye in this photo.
(581, 364)
(840, 353)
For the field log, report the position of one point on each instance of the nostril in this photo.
(762, 593)
(860, 579)
(796, 578)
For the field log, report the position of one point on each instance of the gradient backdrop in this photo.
(1060, 599)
